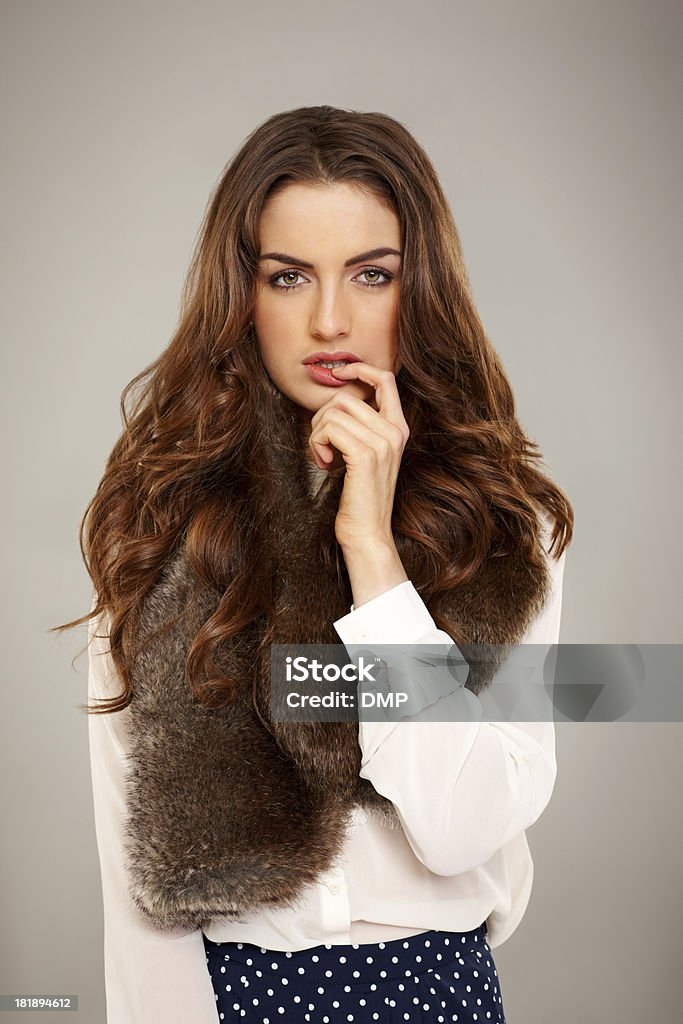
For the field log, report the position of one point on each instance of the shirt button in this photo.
(334, 889)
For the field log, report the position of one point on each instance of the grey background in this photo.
(553, 128)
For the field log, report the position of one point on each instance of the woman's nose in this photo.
(330, 315)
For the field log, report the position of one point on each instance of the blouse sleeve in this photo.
(150, 975)
(462, 788)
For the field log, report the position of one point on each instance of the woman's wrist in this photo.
(374, 566)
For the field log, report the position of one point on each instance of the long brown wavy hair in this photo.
(179, 473)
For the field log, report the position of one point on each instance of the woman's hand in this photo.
(371, 442)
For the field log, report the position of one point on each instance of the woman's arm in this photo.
(462, 788)
(150, 975)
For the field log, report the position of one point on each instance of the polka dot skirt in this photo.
(435, 976)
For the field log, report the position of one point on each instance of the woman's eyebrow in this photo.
(373, 254)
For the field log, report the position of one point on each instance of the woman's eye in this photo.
(374, 283)
(286, 280)
(286, 275)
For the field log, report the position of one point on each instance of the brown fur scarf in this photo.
(228, 812)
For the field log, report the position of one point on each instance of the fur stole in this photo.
(228, 812)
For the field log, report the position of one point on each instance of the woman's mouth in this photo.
(323, 375)
(319, 368)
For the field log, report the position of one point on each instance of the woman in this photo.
(327, 450)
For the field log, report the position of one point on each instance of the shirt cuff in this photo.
(399, 615)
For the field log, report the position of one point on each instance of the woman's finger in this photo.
(338, 424)
(362, 412)
(386, 392)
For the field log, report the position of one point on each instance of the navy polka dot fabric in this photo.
(435, 976)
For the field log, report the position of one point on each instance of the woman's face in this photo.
(327, 283)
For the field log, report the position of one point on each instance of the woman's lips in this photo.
(323, 375)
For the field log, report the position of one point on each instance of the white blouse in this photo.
(465, 791)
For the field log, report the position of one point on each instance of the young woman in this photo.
(326, 451)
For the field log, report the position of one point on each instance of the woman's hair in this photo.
(180, 471)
